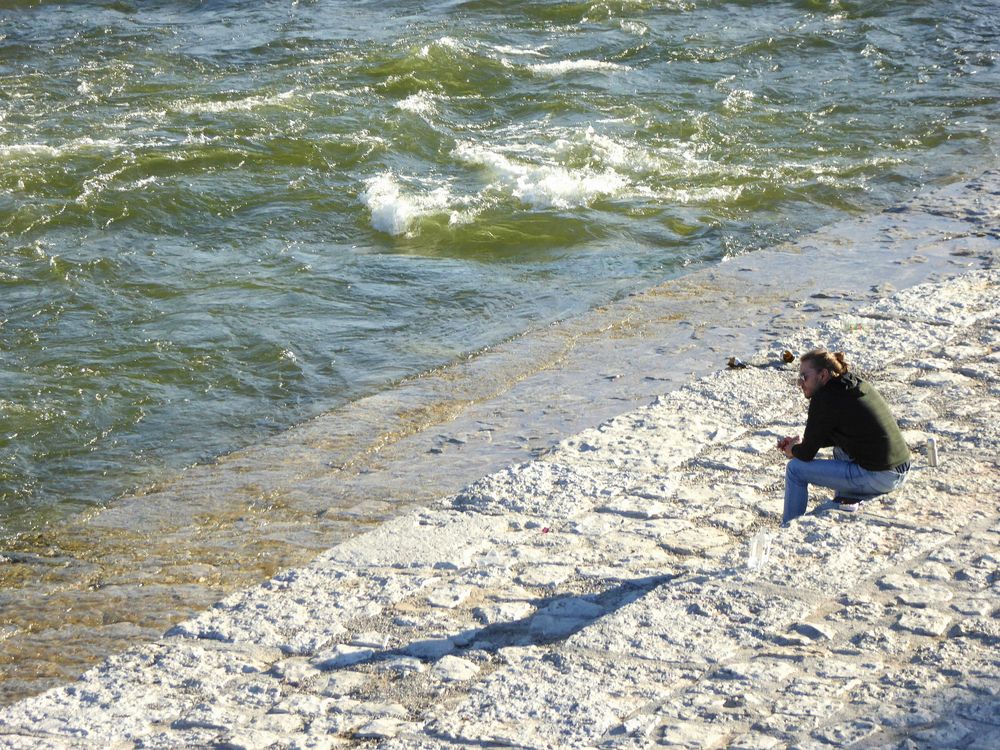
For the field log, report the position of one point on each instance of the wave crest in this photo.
(393, 211)
(545, 186)
(563, 67)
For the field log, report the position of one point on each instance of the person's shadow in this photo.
(555, 618)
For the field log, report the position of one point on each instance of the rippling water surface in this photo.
(220, 218)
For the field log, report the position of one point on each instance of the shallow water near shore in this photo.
(218, 227)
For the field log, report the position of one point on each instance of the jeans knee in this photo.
(791, 469)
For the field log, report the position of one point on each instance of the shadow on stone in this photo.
(555, 618)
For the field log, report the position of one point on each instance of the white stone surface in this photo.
(455, 669)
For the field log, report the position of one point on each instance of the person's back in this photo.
(851, 414)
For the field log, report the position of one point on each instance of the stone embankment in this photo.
(631, 588)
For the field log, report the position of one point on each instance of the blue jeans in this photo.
(841, 474)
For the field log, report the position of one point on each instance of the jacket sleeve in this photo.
(817, 432)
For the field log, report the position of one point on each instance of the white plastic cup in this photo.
(760, 548)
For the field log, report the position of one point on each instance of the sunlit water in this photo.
(219, 219)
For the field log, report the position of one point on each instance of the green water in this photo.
(218, 219)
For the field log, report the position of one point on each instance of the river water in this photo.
(219, 220)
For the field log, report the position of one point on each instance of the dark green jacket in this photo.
(849, 413)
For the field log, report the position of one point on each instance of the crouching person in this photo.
(870, 456)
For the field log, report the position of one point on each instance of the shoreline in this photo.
(174, 549)
(600, 593)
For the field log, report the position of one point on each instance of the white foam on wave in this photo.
(245, 104)
(578, 168)
(422, 103)
(77, 145)
(680, 158)
(20, 150)
(393, 211)
(544, 186)
(504, 49)
(591, 164)
(626, 155)
(602, 147)
(446, 42)
(573, 66)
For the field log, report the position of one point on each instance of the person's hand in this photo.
(786, 443)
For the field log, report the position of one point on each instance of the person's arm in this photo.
(817, 432)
